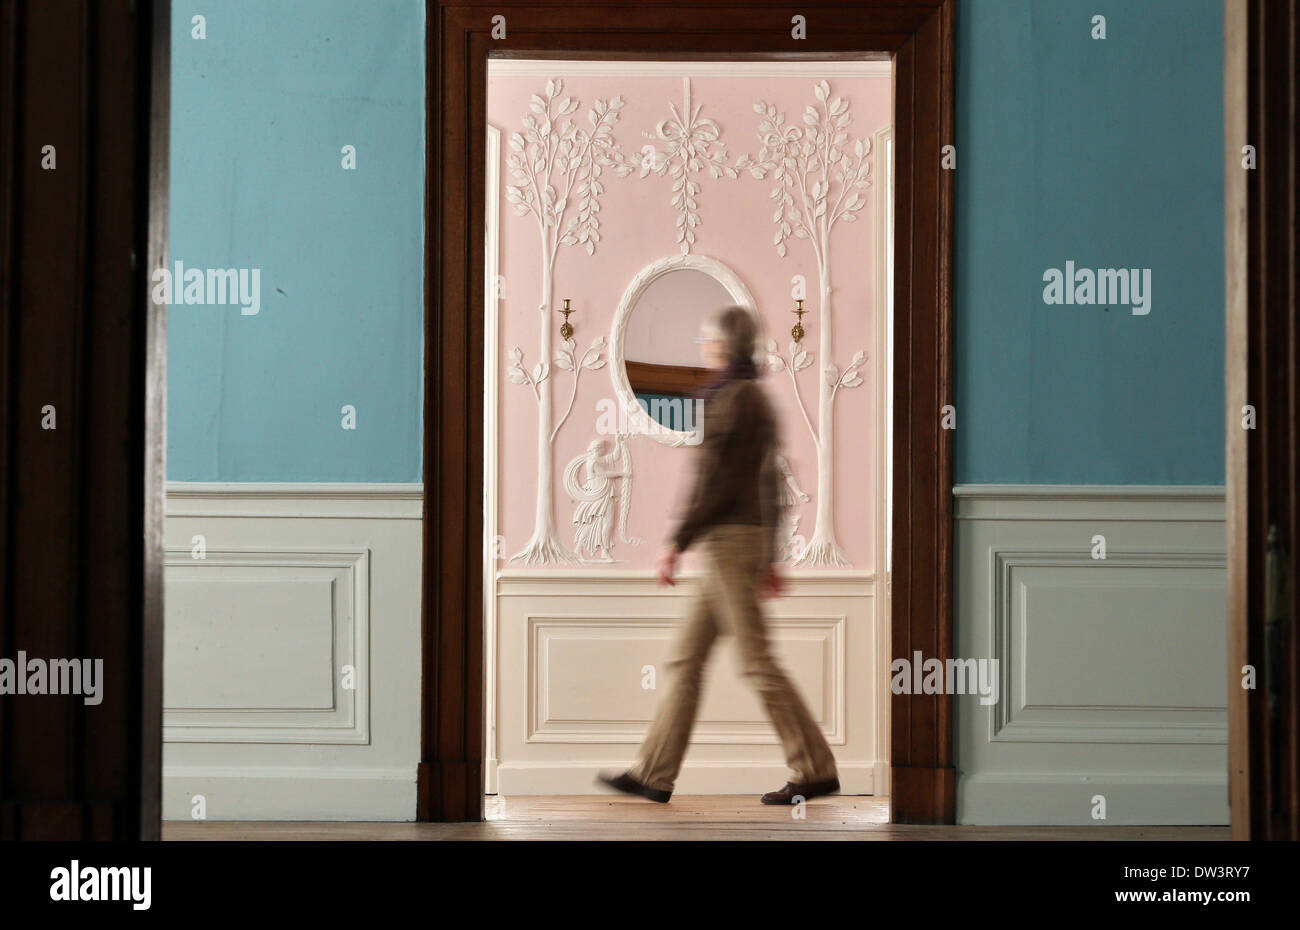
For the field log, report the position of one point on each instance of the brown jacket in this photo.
(736, 477)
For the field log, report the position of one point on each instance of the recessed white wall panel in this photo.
(251, 645)
(597, 677)
(1169, 621)
(575, 646)
(1112, 672)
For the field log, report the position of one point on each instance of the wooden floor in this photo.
(702, 817)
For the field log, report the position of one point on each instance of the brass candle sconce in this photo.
(797, 332)
(566, 328)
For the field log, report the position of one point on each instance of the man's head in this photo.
(727, 336)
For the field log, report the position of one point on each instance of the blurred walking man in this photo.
(734, 516)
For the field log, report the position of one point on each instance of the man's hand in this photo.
(666, 565)
(773, 585)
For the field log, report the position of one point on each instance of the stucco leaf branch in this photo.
(565, 360)
(799, 360)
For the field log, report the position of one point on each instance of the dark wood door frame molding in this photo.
(919, 36)
(1261, 79)
(81, 502)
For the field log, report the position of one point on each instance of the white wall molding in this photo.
(794, 67)
(1128, 503)
(1111, 671)
(491, 412)
(882, 153)
(1089, 491)
(282, 500)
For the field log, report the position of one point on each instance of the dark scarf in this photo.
(738, 369)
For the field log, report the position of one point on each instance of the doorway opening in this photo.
(533, 642)
(630, 199)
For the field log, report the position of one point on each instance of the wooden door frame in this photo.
(919, 35)
(1260, 81)
(1236, 240)
(81, 503)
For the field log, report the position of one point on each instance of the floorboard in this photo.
(712, 817)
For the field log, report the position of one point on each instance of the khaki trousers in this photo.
(727, 602)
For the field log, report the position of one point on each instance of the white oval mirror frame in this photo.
(639, 422)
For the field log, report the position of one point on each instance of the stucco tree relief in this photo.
(821, 178)
(557, 164)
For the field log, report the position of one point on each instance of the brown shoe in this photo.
(629, 785)
(805, 792)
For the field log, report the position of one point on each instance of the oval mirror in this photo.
(654, 356)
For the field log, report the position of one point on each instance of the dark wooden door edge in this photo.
(81, 503)
(449, 791)
(155, 106)
(1236, 251)
(922, 795)
(920, 36)
(1261, 348)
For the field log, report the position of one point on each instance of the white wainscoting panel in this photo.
(1112, 678)
(581, 667)
(266, 645)
(292, 651)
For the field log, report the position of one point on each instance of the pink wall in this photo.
(637, 227)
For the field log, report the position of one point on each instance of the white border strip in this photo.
(540, 67)
(334, 500)
(296, 490)
(1079, 492)
(1142, 503)
(491, 476)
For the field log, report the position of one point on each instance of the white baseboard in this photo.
(259, 793)
(524, 778)
(1187, 799)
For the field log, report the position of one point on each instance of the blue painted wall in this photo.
(260, 111)
(1109, 153)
